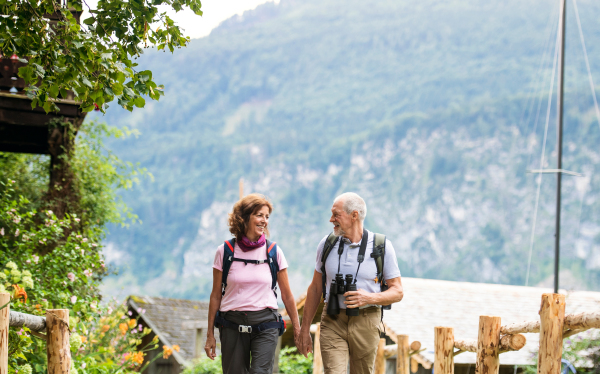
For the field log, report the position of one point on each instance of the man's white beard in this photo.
(337, 230)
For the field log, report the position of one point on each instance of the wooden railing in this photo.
(56, 328)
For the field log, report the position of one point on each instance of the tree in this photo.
(94, 60)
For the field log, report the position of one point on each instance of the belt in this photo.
(222, 322)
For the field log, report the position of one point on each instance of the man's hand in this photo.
(306, 346)
(210, 347)
(356, 299)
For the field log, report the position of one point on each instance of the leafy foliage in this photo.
(95, 60)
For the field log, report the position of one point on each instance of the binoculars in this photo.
(338, 287)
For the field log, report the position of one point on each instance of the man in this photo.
(353, 337)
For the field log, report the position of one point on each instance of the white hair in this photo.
(352, 202)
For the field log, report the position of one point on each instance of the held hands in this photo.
(304, 343)
(355, 299)
(210, 347)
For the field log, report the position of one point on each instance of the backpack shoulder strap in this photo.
(228, 248)
(273, 264)
(329, 244)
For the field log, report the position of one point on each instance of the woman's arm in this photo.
(215, 303)
(290, 304)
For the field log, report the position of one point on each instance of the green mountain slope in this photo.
(427, 109)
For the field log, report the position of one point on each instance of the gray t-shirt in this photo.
(348, 264)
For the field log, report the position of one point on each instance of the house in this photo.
(429, 303)
(175, 322)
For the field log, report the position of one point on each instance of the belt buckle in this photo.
(247, 329)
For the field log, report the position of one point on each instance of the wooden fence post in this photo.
(444, 350)
(317, 358)
(552, 319)
(403, 358)
(488, 346)
(57, 345)
(4, 319)
(380, 358)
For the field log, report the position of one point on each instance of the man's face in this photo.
(342, 221)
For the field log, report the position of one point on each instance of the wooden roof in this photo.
(175, 321)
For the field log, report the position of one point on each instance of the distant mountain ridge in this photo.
(425, 108)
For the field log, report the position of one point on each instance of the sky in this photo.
(215, 12)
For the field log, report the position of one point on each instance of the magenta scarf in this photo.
(247, 245)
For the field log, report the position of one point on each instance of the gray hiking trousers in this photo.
(237, 347)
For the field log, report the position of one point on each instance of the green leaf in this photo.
(89, 21)
(139, 102)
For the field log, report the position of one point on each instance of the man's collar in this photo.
(347, 241)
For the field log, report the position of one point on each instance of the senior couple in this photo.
(356, 272)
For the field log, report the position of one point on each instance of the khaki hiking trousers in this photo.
(346, 338)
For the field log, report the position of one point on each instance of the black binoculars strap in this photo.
(361, 252)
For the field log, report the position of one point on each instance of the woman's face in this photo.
(257, 224)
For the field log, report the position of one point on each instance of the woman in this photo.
(244, 307)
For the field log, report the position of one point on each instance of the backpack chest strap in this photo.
(246, 262)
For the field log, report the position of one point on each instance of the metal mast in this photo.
(559, 131)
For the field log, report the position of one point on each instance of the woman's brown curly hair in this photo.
(240, 216)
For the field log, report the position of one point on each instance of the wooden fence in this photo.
(54, 329)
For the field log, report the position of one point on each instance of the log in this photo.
(58, 347)
(403, 358)
(390, 351)
(521, 327)
(317, 358)
(582, 321)
(380, 358)
(488, 346)
(466, 345)
(422, 361)
(4, 321)
(512, 342)
(414, 365)
(33, 323)
(552, 319)
(444, 349)
(415, 346)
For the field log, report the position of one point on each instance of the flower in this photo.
(26, 273)
(25, 369)
(77, 220)
(75, 341)
(2, 231)
(83, 365)
(84, 240)
(73, 299)
(109, 310)
(20, 293)
(131, 323)
(129, 312)
(71, 277)
(17, 232)
(2, 276)
(87, 273)
(123, 328)
(138, 358)
(83, 340)
(35, 258)
(176, 347)
(167, 352)
(27, 282)
(28, 262)
(105, 328)
(94, 245)
(11, 265)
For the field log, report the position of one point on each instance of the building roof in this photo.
(429, 303)
(175, 321)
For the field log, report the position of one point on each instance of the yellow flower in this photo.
(83, 339)
(138, 358)
(105, 328)
(167, 352)
(132, 322)
(123, 328)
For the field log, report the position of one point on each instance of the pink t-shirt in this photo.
(248, 286)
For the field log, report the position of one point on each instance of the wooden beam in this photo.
(507, 343)
(4, 318)
(552, 319)
(488, 346)
(380, 358)
(444, 347)
(33, 323)
(415, 346)
(414, 365)
(317, 358)
(58, 347)
(580, 321)
(403, 357)
(469, 345)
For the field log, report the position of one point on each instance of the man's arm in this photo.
(313, 298)
(393, 294)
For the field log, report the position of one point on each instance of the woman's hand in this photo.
(297, 340)
(210, 347)
(305, 343)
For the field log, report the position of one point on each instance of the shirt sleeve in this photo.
(281, 261)
(218, 263)
(319, 251)
(390, 266)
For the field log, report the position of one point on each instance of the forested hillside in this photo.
(432, 110)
